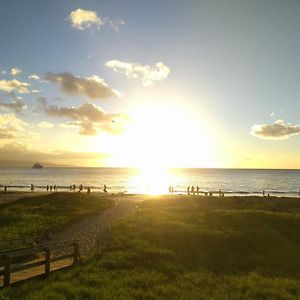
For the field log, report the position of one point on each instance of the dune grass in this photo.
(185, 247)
(29, 216)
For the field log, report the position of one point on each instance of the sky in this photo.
(140, 83)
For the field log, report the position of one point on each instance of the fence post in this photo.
(76, 253)
(47, 261)
(6, 279)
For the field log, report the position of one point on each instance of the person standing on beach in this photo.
(104, 189)
(188, 190)
(32, 187)
(193, 190)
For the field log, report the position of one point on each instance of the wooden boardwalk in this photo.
(20, 276)
(16, 265)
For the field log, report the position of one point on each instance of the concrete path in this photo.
(95, 227)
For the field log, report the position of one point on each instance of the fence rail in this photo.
(4, 245)
(8, 258)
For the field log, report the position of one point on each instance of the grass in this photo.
(185, 247)
(29, 216)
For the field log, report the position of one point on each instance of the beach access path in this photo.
(92, 228)
(95, 228)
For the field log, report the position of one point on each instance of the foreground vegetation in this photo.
(29, 216)
(189, 247)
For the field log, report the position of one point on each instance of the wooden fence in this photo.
(17, 243)
(21, 259)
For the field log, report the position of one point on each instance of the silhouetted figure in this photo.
(74, 187)
(80, 188)
(104, 189)
(88, 189)
(5, 188)
(268, 195)
(205, 193)
(32, 187)
(220, 192)
(211, 193)
(197, 190)
(172, 190)
(263, 192)
(54, 188)
(51, 187)
(47, 187)
(193, 190)
(188, 190)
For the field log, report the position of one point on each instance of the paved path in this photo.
(95, 227)
(87, 232)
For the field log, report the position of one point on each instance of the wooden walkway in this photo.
(16, 265)
(18, 277)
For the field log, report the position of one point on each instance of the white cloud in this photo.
(3, 72)
(35, 91)
(12, 127)
(45, 124)
(116, 25)
(34, 77)
(146, 73)
(89, 118)
(14, 86)
(15, 71)
(17, 105)
(82, 19)
(91, 87)
(276, 131)
(272, 114)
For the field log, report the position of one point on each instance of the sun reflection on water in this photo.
(153, 181)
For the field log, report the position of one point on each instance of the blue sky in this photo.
(233, 65)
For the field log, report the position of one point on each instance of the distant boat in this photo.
(37, 166)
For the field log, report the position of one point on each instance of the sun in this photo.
(164, 136)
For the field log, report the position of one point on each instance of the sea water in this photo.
(154, 181)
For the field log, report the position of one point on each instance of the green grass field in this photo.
(189, 247)
(30, 215)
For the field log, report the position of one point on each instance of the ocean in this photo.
(156, 181)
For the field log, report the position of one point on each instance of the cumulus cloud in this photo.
(82, 19)
(45, 125)
(276, 131)
(89, 118)
(34, 77)
(146, 73)
(13, 127)
(14, 86)
(16, 105)
(90, 87)
(15, 71)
